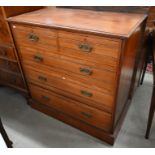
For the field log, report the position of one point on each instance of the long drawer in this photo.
(88, 74)
(89, 115)
(105, 87)
(35, 37)
(82, 93)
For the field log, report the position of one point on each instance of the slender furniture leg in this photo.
(143, 73)
(151, 114)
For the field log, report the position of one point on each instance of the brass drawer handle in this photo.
(46, 98)
(86, 93)
(85, 47)
(38, 58)
(86, 71)
(86, 114)
(33, 37)
(42, 78)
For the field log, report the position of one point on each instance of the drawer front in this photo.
(34, 36)
(85, 81)
(85, 94)
(11, 79)
(95, 44)
(10, 66)
(75, 109)
(36, 58)
(7, 52)
(91, 49)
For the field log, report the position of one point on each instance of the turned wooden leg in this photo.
(151, 114)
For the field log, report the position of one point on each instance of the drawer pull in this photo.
(33, 37)
(85, 47)
(85, 93)
(86, 114)
(42, 78)
(46, 98)
(38, 58)
(86, 71)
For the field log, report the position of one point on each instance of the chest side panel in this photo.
(4, 34)
(127, 67)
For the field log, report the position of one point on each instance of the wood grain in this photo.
(45, 37)
(16, 10)
(4, 34)
(127, 70)
(80, 20)
(102, 86)
(53, 79)
(101, 46)
(96, 132)
(75, 109)
(51, 60)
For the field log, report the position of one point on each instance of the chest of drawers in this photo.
(80, 68)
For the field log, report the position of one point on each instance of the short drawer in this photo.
(35, 37)
(74, 90)
(9, 65)
(7, 52)
(86, 72)
(11, 79)
(92, 116)
(94, 45)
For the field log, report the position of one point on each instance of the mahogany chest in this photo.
(80, 65)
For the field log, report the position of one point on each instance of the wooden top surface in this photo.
(109, 23)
